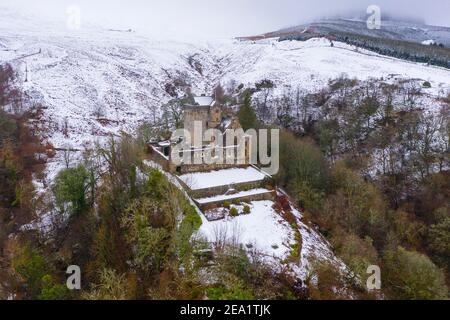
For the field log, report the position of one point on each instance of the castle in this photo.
(211, 115)
(207, 113)
(210, 184)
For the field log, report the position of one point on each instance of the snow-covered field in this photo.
(267, 232)
(263, 229)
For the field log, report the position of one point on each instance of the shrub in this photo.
(70, 189)
(246, 114)
(31, 267)
(295, 250)
(356, 205)
(8, 128)
(149, 238)
(226, 205)
(246, 209)
(426, 84)
(303, 170)
(234, 212)
(237, 202)
(113, 286)
(52, 290)
(357, 253)
(325, 281)
(438, 236)
(411, 275)
(188, 226)
(284, 203)
(157, 185)
(234, 293)
(192, 218)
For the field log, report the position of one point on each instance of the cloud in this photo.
(224, 18)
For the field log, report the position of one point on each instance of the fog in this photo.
(223, 18)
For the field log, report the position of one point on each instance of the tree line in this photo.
(368, 164)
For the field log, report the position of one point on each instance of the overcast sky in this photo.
(224, 18)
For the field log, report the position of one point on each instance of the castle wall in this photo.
(159, 158)
(214, 191)
(190, 116)
(250, 198)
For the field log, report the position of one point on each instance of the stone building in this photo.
(205, 111)
(210, 114)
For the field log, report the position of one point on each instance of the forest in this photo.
(367, 163)
(436, 55)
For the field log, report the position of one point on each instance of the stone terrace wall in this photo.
(161, 160)
(214, 191)
(208, 167)
(256, 197)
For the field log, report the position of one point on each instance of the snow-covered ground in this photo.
(267, 232)
(204, 180)
(263, 229)
(95, 82)
(428, 42)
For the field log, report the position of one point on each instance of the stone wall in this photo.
(208, 167)
(161, 160)
(214, 191)
(190, 116)
(257, 197)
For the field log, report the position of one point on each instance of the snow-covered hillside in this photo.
(413, 31)
(267, 232)
(95, 82)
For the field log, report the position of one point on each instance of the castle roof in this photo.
(204, 101)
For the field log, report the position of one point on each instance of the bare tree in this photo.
(99, 111)
(65, 127)
(67, 154)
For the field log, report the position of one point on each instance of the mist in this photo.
(207, 18)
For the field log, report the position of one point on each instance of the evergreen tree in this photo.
(70, 190)
(246, 114)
